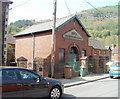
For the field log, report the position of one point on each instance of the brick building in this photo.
(72, 47)
(4, 9)
(115, 53)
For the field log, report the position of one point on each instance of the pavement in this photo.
(82, 80)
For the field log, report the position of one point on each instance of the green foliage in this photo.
(110, 40)
(19, 25)
(10, 54)
(102, 24)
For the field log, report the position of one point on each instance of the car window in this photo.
(9, 75)
(27, 75)
(116, 64)
(0, 75)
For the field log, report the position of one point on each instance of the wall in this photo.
(4, 9)
(23, 47)
(42, 47)
(43, 44)
(67, 43)
(0, 33)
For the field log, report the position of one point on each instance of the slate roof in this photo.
(96, 44)
(22, 59)
(48, 26)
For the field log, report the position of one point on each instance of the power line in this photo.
(20, 4)
(67, 7)
(94, 7)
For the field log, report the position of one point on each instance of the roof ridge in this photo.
(46, 26)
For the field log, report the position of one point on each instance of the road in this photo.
(102, 88)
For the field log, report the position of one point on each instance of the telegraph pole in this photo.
(53, 39)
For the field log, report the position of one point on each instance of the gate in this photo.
(73, 59)
(73, 62)
(91, 65)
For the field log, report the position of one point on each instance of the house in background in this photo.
(115, 53)
(4, 10)
(73, 47)
(99, 56)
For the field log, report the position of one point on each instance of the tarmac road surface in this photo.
(101, 88)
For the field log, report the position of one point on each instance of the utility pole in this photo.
(53, 39)
(33, 49)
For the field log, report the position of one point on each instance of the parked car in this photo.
(115, 69)
(108, 64)
(20, 82)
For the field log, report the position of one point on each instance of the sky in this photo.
(43, 9)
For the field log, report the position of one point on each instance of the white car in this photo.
(115, 69)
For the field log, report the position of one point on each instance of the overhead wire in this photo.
(67, 7)
(94, 7)
(20, 4)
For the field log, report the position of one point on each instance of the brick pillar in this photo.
(96, 60)
(84, 62)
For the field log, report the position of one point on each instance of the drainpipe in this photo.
(33, 49)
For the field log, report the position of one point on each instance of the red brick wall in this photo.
(99, 52)
(67, 43)
(23, 47)
(42, 47)
(43, 44)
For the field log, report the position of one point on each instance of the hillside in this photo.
(102, 24)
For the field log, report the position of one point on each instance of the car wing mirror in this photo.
(38, 79)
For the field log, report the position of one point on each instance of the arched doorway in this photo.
(73, 58)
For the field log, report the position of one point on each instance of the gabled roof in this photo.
(96, 44)
(47, 26)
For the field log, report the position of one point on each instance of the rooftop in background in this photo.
(96, 44)
(116, 49)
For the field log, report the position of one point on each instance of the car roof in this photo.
(9, 67)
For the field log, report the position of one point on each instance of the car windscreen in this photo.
(116, 64)
(0, 76)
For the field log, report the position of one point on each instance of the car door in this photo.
(32, 84)
(11, 86)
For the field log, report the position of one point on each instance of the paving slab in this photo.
(82, 80)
